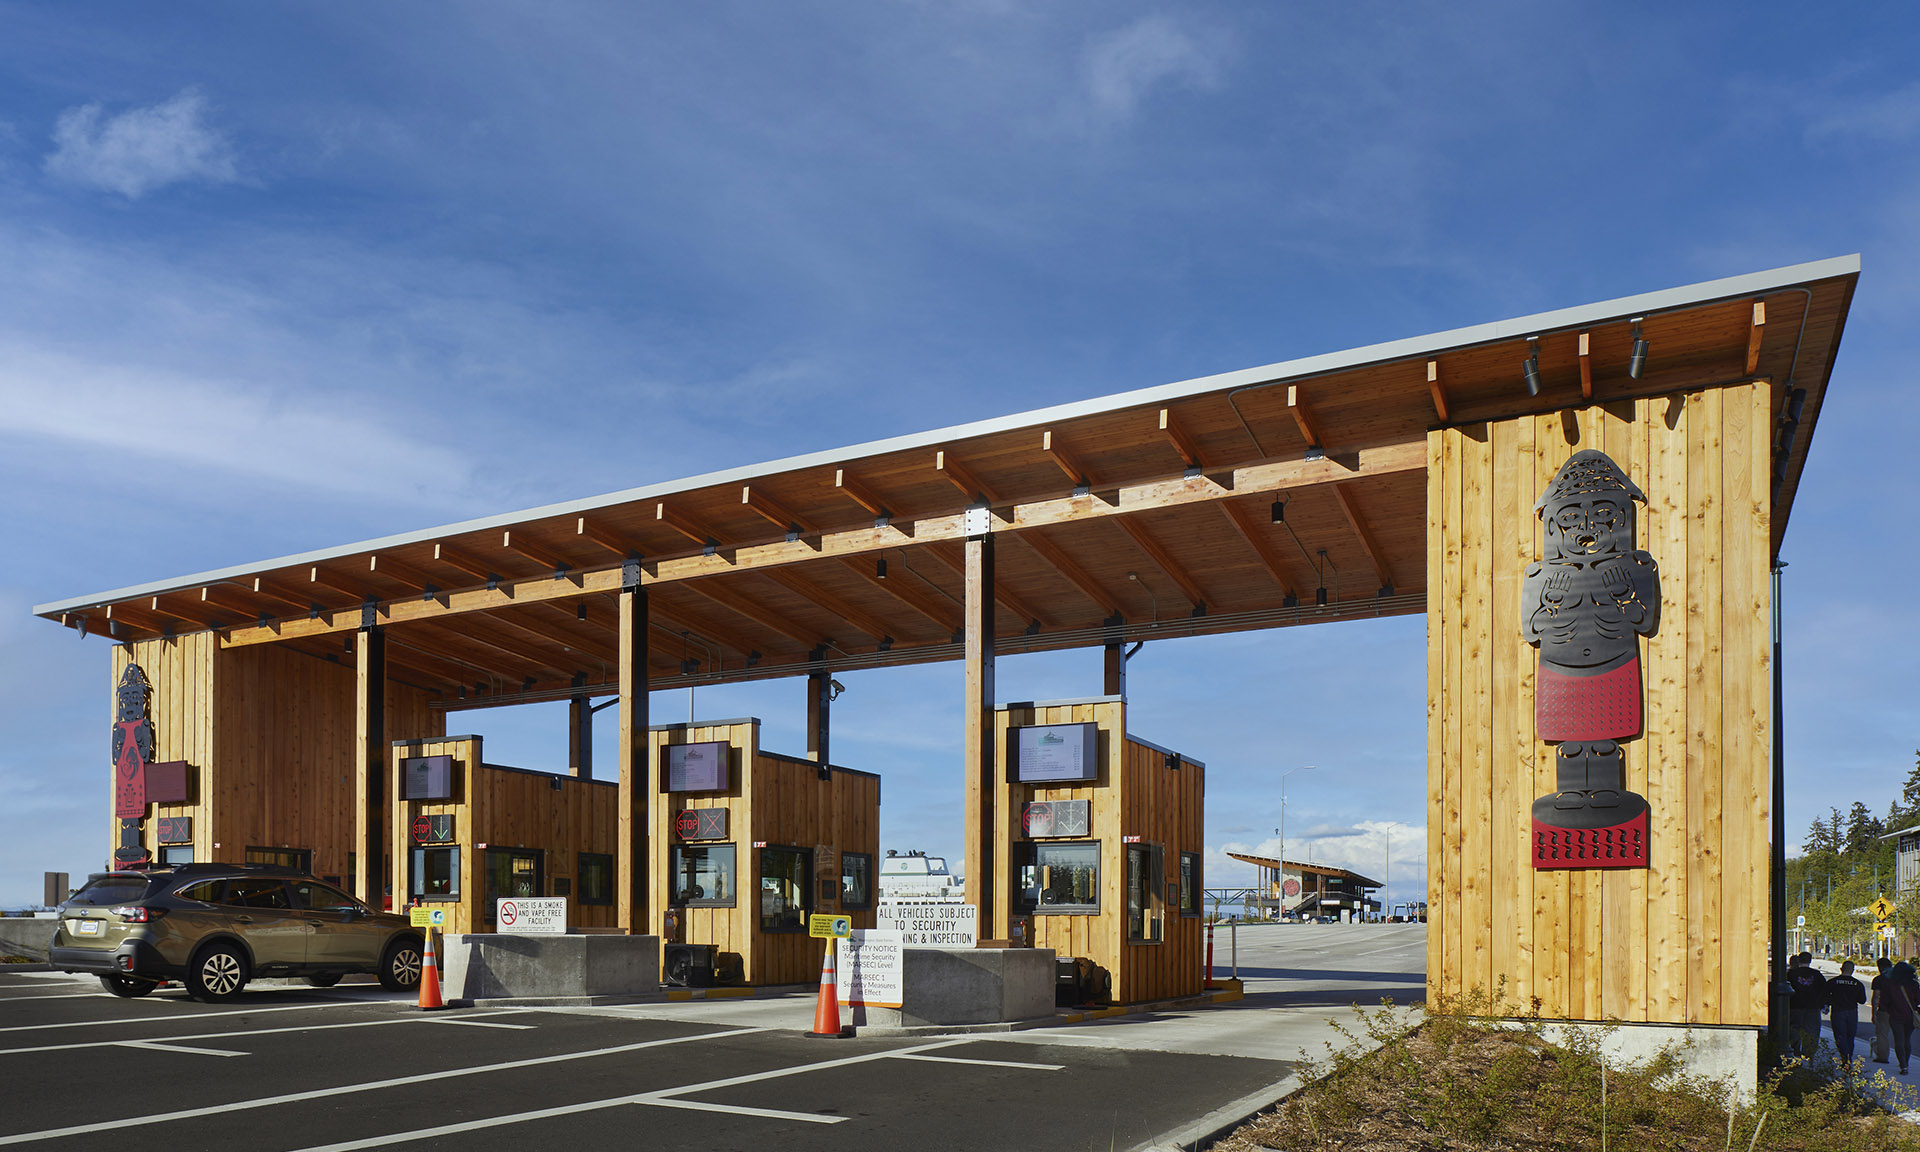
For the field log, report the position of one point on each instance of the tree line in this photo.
(1847, 862)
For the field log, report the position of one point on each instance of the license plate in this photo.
(87, 927)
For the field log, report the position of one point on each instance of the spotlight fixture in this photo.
(880, 568)
(1279, 511)
(349, 643)
(834, 689)
(1320, 596)
(1530, 367)
(1640, 346)
(1289, 601)
(689, 666)
(580, 611)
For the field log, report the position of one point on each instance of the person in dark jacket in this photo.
(1882, 1030)
(1844, 997)
(1901, 997)
(1809, 1001)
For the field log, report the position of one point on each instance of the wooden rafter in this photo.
(483, 632)
(472, 565)
(668, 518)
(1182, 443)
(1066, 461)
(400, 571)
(224, 596)
(1017, 520)
(539, 645)
(907, 588)
(860, 494)
(1375, 555)
(274, 590)
(533, 550)
(1437, 390)
(1071, 571)
(814, 594)
(1586, 367)
(595, 533)
(136, 615)
(185, 607)
(1754, 334)
(477, 658)
(1164, 560)
(1258, 537)
(320, 577)
(673, 619)
(556, 636)
(745, 606)
(1297, 405)
(960, 477)
(773, 511)
(949, 554)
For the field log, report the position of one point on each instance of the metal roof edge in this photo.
(1662, 300)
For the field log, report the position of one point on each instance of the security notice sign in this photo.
(872, 969)
(931, 925)
(532, 915)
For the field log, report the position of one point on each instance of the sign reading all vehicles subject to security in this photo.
(531, 915)
(931, 925)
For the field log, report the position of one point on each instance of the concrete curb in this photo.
(663, 996)
(1058, 1020)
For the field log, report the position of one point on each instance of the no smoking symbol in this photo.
(509, 912)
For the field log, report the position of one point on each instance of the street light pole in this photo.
(1386, 881)
(1283, 830)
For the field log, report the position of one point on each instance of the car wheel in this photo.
(128, 986)
(400, 967)
(219, 973)
(324, 979)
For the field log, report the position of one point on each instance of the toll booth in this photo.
(1098, 845)
(466, 833)
(744, 844)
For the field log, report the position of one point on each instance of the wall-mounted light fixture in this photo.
(834, 689)
(1530, 367)
(580, 610)
(1640, 348)
(1279, 511)
(880, 568)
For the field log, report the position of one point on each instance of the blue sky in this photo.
(275, 278)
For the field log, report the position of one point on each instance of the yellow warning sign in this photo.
(1882, 908)
(831, 926)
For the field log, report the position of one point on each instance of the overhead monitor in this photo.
(1054, 754)
(695, 767)
(426, 778)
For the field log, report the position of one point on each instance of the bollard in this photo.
(1209, 953)
(1233, 942)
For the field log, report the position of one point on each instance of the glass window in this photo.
(703, 875)
(1061, 877)
(324, 898)
(299, 858)
(856, 881)
(207, 891)
(596, 878)
(512, 874)
(1145, 895)
(786, 877)
(436, 873)
(1192, 895)
(256, 892)
(175, 854)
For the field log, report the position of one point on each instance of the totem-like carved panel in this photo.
(1587, 602)
(132, 752)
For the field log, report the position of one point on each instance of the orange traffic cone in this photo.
(430, 977)
(826, 1011)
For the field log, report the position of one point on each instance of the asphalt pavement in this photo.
(295, 1068)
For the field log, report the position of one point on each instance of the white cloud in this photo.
(1125, 65)
(141, 149)
(1890, 116)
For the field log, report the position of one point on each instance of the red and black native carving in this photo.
(1587, 603)
(132, 752)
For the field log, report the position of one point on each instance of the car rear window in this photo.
(108, 890)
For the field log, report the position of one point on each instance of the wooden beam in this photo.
(907, 588)
(481, 633)
(274, 590)
(1182, 443)
(773, 511)
(1375, 555)
(632, 759)
(1438, 392)
(534, 551)
(1163, 560)
(588, 530)
(403, 572)
(978, 727)
(960, 477)
(1074, 574)
(1754, 335)
(322, 578)
(221, 596)
(860, 494)
(694, 532)
(950, 554)
(1297, 405)
(674, 619)
(1173, 492)
(1586, 367)
(477, 658)
(865, 621)
(370, 752)
(1258, 536)
(1077, 475)
(136, 615)
(564, 640)
(466, 562)
(734, 601)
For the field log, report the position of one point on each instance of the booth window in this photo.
(297, 858)
(856, 881)
(1061, 877)
(703, 875)
(436, 873)
(786, 877)
(172, 855)
(1191, 903)
(1145, 895)
(596, 878)
(513, 874)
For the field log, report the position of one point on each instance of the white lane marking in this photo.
(238, 1011)
(985, 1063)
(366, 1086)
(157, 1046)
(100, 992)
(664, 1098)
(473, 1023)
(252, 1032)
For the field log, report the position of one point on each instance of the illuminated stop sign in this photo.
(687, 823)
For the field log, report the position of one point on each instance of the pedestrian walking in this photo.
(1882, 1030)
(1809, 1001)
(1902, 997)
(1845, 994)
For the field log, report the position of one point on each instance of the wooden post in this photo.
(1116, 670)
(982, 881)
(580, 732)
(819, 712)
(631, 845)
(370, 767)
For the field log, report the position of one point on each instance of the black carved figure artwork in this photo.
(1587, 603)
(132, 752)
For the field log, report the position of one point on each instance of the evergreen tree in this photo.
(1862, 829)
(1910, 792)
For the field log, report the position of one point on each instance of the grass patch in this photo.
(1462, 1082)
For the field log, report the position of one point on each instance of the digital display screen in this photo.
(695, 767)
(1053, 754)
(426, 778)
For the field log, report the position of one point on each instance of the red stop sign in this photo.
(687, 823)
(421, 829)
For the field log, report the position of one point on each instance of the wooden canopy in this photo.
(1288, 494)
(1277, 865)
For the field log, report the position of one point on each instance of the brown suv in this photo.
(216, 926)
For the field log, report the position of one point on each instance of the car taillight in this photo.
(136, 914)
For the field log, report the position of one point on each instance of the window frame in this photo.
(871, 864)
(417, 875)
(1031, 852)
(1193, 891)
(170, 858)
(1150, 873)
(805, 887)
(299, 859)
(677, 854)
(583, 892)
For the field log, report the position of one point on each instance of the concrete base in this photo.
(960, 986)
(24, 936)
(496, 966)
(1727, 1056)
